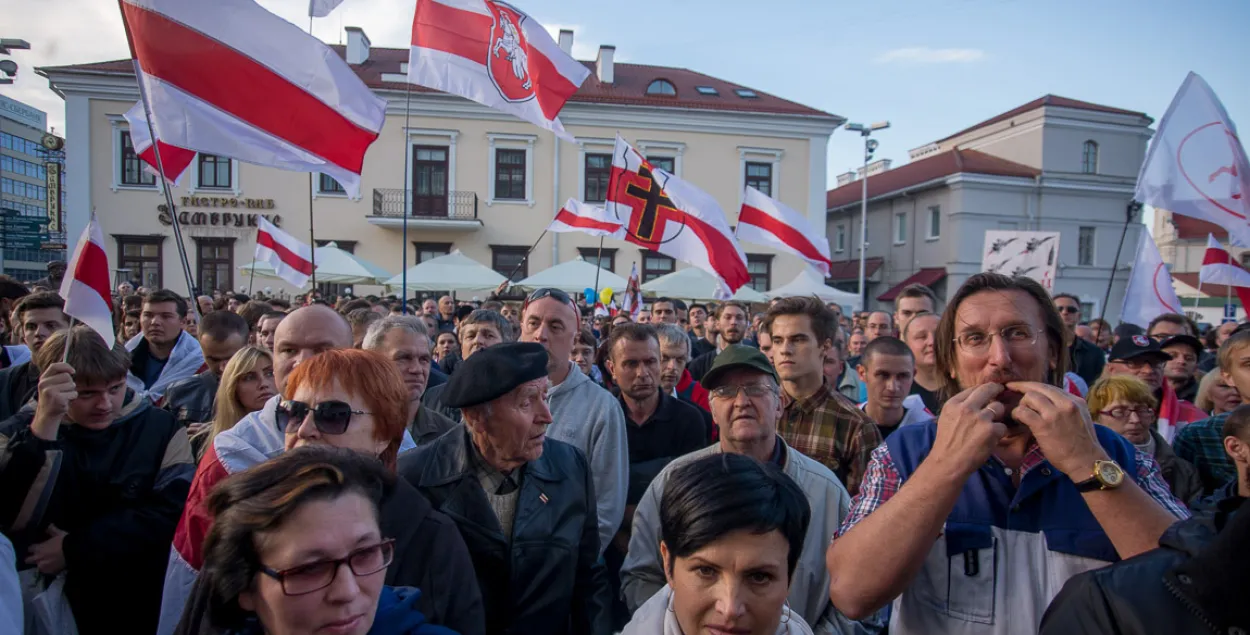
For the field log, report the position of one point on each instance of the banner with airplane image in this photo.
(1022, 253)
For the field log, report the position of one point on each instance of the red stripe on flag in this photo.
(550, 86)
(288, 257)
(1243, 295)
(245, 88)
(788, 235)
(1214, 256)
(175, 160)
(455, 31)
(92, 269)
(573, 220)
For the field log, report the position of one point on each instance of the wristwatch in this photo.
(1107, 475)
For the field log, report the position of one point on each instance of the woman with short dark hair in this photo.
(731, 530)
(296, 547)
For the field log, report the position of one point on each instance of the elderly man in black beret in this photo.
(525, 504)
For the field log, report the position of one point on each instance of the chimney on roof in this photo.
(357, 45)
(876, 167)
(846, 177)
(566, 41)
(603, 64)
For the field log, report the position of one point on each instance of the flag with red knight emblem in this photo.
(495, 54)
(670, 216)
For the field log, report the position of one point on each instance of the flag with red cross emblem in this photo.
(670, 216)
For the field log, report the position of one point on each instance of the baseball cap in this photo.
(1187, 340)
(1137, 347)
(736, 356)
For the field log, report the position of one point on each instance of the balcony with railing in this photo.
(455, 211)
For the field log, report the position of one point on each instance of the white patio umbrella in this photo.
(573, 277)
(333, 265)
(809, 283)
(695, 284)
(453, 272)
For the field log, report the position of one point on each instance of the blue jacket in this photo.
(397, 614)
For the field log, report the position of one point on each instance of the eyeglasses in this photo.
(1068, 309)
(754, 391)
(330, 417)
(548, 292)
(1122, 413)
(978, 342)
(315, 576)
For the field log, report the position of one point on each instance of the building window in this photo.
(900, 228)
(429, 180)
(1088, 308)
(510, 174)
(760, 177)
(141, 255)
(1089, 158)
(591, 254)
(510, 260)
(745, 93)
(655, 265)
(839, 238)
(327, 185)
(133, 173)
(707, 90)
(668, 164)
(344, 245)
(598, 171)
(430, 251)
(935, 222)
(216, 266)
(1085, 247)
(662, 87)
(760, 267)
(215, 172)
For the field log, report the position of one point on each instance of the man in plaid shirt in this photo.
(972, 524)
(816, 420)
(1202, 442)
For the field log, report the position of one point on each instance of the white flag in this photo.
(1150, 292)
(86, 284)
(577, 216)
(766, 221)
(291, 259)
(322, 8)
(1196, 165)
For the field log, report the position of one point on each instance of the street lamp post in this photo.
(870, 146)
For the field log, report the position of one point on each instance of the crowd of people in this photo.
(241, 464)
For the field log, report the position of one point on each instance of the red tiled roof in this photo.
(1188, 227)
(629, 85)
(1046, 100)
(849, 269)
(928, 277)
(926, 169)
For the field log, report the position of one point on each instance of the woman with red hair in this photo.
(356, 399)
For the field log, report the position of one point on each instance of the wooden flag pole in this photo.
(69, 338)
(527, 256)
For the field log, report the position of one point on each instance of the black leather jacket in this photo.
(1194, 583)
(191, 400)
(548, 577)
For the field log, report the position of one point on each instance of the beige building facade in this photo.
(477, 181)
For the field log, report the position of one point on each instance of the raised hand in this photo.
(1062, 426)
(969, 428)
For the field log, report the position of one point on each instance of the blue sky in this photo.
(931, 67)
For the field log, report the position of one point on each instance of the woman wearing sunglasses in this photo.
(1125, 404)
(296, 547)
(246, 384)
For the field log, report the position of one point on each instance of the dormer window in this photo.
(662, 87)
(745, 93)
(707, 90)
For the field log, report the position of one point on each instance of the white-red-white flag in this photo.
(1150, 292)
(766, 221)
(174, 159)
(229, 78)
(85, 287)
(631, 298)
(665, 214)
(577, 216)
(1218, 267)
(1196, 165)
(495, 54)
(322, 8)
(291, 259)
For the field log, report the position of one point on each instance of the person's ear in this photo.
(1237, 450)
(665, 564)
(247, 600)
(862, 372)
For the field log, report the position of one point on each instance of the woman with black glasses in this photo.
(296, 547)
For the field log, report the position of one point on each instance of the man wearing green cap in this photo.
(745, 396)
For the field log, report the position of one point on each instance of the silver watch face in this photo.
(1109, 473)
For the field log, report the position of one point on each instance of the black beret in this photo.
(494, 372)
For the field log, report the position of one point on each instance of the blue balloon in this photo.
(590, 295)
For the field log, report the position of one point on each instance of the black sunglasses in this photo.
(547, 292)
(330, 417)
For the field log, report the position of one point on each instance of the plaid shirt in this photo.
(832, 430)
(883, 481)
(1202, 443)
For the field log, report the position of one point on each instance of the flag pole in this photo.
(312, 234)
(598, 268)
(252, 277)
(527, 256)
(403, 292)
(69, 336)
(1130, 212)
(160, 165)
